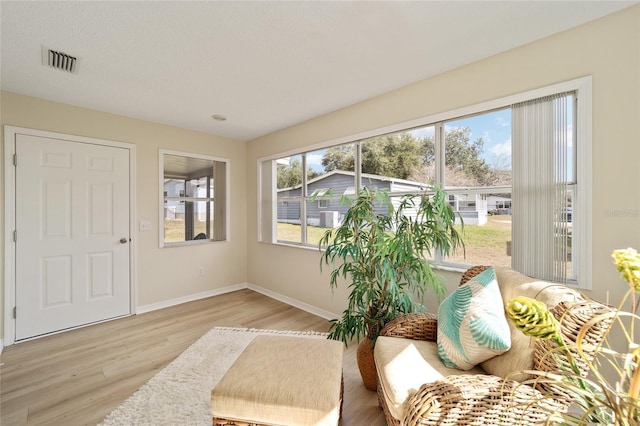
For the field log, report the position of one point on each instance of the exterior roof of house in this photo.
(364, 175)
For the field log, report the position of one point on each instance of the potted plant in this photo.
(385, 258)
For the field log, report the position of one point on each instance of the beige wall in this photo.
(607, 49)
(162, 274)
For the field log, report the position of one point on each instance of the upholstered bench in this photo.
(282, 380)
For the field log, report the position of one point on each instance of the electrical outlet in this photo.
(200, 271)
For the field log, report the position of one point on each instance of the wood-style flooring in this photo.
(78, 377)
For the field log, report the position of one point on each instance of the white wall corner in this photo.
(293, 302)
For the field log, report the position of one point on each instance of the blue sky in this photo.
(495, 130)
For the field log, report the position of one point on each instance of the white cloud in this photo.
(502, 149)
(502, 122)
(314, 160)
(449, 128)
(501, 156)
(422, 132)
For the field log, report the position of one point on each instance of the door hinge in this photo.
(15, 159)
(15, 236)
(15, 312)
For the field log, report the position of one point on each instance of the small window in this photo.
(194, 199)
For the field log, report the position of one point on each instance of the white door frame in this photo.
(10, 133)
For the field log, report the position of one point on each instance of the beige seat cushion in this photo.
(520, 356)
(282, 380)
(404, 365)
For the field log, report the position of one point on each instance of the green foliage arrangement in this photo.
(612, 396)
(385, 258)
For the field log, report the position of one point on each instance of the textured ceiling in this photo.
(265, 65)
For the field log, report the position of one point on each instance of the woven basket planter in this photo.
(367, 365)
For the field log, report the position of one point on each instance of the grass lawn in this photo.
(291, 233)
(174, 229)
(485, 245)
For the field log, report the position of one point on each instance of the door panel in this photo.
(72, 210)
(55, 281)
(100, 277)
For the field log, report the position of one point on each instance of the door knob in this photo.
(124, 240)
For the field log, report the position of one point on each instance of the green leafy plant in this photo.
(601, 382)
(385, 257)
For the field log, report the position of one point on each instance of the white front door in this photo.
(72, 223)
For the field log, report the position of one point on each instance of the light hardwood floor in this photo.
(78, 377)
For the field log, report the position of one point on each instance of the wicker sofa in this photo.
(416, 388)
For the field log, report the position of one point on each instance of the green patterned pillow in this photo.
(472, 326)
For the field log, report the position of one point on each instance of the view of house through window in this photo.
(476, 173)
(477, 176)
(194, 199)
(470, 157)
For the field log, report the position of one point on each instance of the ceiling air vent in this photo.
(59, 60)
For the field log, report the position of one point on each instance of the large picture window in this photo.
(194, 199)
(492, 160)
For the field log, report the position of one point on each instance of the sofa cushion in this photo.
(404, 365)
(520, 356)
(472, 326)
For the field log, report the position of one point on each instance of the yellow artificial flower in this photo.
(532, 318)
(628, 264)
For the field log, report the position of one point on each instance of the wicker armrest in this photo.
(472, 272)
(473, 398)
(416, 326)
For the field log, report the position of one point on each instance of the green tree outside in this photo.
(405, 156)
(291, 175)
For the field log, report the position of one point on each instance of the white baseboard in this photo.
(293, 302)
(190, 298)
(272, 294)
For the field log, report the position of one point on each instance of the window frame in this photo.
(583, 136)
(162, 197)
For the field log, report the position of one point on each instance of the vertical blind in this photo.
(541, 178)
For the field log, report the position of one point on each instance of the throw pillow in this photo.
(472, 326)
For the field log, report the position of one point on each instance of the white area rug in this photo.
(180, 394)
